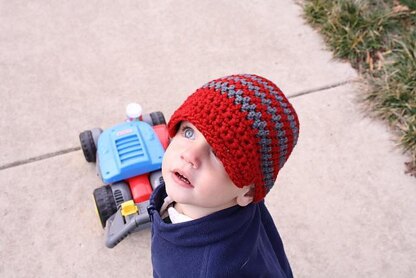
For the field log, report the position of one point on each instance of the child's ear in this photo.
(245, 196)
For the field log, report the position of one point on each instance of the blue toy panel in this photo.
(127, 150)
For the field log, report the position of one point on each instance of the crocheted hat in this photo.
(248, 122)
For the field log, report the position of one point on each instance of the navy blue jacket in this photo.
(234, 242)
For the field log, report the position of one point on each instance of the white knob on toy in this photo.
(133, 111)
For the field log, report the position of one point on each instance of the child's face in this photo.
(194, 176)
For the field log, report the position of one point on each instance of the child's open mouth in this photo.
(183, 178)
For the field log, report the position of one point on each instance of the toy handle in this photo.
(118, 228)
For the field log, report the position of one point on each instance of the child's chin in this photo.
(172, 189)
(176, 195)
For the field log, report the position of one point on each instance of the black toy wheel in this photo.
(157, 118)
(104, 203)
(88, 146)
(96, 132)
(154, 118)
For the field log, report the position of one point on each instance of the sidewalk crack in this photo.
(323, 88)
(38, 158)
(74, 149)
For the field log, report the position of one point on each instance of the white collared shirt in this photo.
(169, 210)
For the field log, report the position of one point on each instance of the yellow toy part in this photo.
(128, 208)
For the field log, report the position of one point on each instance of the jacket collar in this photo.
(234, 221)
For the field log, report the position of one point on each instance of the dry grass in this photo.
(378, 37)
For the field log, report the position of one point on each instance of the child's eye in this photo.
(188, 132)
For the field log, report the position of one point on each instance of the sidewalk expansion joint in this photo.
(323, 88)
(74, 149)
(38, 158)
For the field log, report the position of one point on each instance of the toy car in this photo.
(128, 158)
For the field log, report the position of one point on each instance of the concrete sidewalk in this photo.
(343, 205)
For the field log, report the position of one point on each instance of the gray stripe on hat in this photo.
(290, 116)
(258, 123)
(276, 118)
(264, 142)
(287, 111)
(266, 162)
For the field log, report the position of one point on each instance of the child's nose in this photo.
(191, 158)
(193, 155)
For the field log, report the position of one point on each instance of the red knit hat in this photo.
(248, 122)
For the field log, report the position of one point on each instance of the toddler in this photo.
(229, 140)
